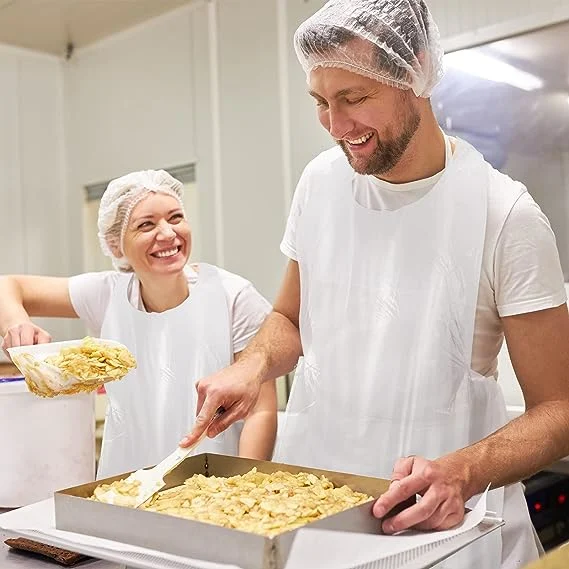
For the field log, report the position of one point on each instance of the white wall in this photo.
(218, 82)
(34, 235)
(130, 102)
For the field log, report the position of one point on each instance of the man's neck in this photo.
(163, 293)
(424, 157)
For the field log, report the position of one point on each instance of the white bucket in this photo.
(45, 444)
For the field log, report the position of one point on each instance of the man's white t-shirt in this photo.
(91, 292)
(521, 271)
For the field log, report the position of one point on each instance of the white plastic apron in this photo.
(155, 405)
(388, 301)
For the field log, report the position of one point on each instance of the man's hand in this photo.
(442, 487)
(233, 389)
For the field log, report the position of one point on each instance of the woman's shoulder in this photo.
(193, 270)
(232, 282)
(90, 294)
(102, 279)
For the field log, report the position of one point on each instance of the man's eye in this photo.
(356, 101)
(321, 104)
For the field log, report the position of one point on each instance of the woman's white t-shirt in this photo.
(91, 292)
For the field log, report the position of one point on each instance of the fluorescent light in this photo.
(487, 67)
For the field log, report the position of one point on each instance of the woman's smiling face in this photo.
(157, 239)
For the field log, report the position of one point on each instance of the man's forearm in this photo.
(518, 450)
(275, 349)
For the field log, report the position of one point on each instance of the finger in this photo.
(5, 346)
(201, 391)
(414, 515)
(42, 337)
(225, 420)
(404, 489)
(448, 515)
(202, 422)
(452, 520)
(27, 335)
(435, 521)
(12, 338)
(403, 468)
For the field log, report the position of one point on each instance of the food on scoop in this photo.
(74, 367)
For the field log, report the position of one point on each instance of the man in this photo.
(410, 258)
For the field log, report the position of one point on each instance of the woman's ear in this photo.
(115, 247)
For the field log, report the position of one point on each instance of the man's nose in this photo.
(339, 124)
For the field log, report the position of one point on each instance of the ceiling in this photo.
(49, 25)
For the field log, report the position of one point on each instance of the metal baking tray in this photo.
(199, 540)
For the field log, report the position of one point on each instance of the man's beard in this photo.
(388, 152)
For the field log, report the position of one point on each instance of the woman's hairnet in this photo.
(392, 41)
(119, 200)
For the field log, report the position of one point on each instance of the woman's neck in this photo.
(163, 293)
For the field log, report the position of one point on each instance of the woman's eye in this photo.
(145, 226)
(176, 218)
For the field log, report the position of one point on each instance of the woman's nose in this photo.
(165, 231)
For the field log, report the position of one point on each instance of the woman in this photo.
(182, 322)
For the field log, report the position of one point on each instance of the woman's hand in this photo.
(24, 334)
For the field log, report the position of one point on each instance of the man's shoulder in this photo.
(503, 194)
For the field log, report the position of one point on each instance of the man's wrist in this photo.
(254, 365)
(460, 468)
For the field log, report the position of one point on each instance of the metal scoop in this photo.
(141, 485)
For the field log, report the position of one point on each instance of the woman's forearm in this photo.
(258, 436)
(12, 309)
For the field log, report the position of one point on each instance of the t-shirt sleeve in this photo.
(250, 308)
(288, 243)
(528, 274)
(90, 294)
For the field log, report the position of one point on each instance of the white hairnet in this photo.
(392, 41)
(120, 198)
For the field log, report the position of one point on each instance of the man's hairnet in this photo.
(392, 41)
(119, 200)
